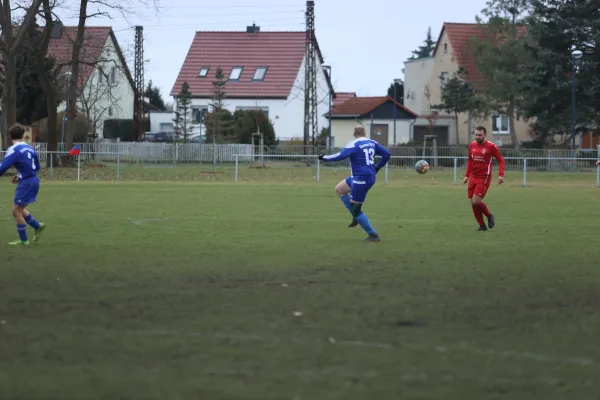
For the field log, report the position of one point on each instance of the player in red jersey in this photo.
(479, 175)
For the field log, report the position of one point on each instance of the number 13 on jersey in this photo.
(369, 156)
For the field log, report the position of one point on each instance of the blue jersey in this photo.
(24, 158)
(362, 156)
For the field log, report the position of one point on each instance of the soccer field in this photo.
(258, 290)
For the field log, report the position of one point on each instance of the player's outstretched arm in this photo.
(342, 155)
(8, 161)
(469, 167)
(500, 159)
(385, 156)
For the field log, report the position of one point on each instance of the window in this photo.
(198, 114)
(235, 74)
(259, 74)
(500, 124)
(110, 111)
(203, 72)
(443, 79)
(100, 76)
(113, 75)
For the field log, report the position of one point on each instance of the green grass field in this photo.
(176, 289)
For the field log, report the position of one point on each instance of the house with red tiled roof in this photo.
(379, 115)
(341, 97)
(105, 85)
(423, 83)
(263, 70)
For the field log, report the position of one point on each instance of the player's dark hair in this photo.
(16, 132)
(482, 129)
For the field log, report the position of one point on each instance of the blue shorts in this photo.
(26, 192)
(359, 187)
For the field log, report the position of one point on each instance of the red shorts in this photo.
(478, 187)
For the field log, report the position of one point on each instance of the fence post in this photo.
(455, 167)
(118, 166)
(52, 166)
(387, 177)
(318, 170)
(236, 167)
(524, 172)
(78, 166)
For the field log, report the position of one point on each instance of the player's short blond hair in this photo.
(359, 130)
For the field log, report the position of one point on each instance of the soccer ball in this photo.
(422, 166)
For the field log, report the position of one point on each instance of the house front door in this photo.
(379, 133)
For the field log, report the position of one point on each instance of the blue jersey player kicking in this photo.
(361, 152)
(24, 158)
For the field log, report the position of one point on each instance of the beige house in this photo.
(386, 121)
(424, 80)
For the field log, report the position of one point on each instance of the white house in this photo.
(379, 116)
(161, 121)
(263, 70)
(105, 87)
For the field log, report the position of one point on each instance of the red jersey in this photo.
(479, 164)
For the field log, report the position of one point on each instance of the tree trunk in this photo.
(511, 124)
(9, 49)
(46, 83)
(74, 80)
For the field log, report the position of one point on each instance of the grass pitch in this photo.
(258, 290)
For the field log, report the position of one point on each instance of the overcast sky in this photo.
(366, 42)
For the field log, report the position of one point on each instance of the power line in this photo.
(220, 15)
(235, 6)
(201, 26)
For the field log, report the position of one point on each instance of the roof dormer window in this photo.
(235, 74)
(203, 72)
(259, 74)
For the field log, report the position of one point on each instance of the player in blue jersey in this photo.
(353, 190)
(24, 158)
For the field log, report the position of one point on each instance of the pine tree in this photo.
(219, 122)
(182, 123)
(426, 49)
(399, 91)
(556, 27)
(154, 96)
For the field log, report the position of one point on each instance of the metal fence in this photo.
(524, 165)
(151, 161)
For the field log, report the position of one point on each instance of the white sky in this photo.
(365, 42)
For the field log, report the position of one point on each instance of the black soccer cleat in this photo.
(482, 228)
(491, 221)
(353, 223)
(373, 238)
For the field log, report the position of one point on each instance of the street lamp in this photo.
(328, 69)
(396, 83)
(575, 59)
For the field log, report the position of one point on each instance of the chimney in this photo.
(56, 30)
(253, 28)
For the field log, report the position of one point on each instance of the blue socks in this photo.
(346, 200)
(32, 222)
(364, 223)
(362, 219)
(22, 229)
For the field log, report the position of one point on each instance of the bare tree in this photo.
(8, 49)
(104, 8)
(98, 99)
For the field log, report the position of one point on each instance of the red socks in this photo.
(478, 214)
(484, 209)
